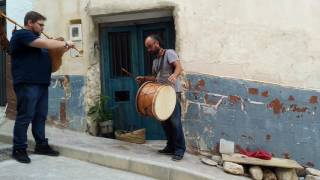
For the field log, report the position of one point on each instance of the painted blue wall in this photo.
(282, 120)
(66, 102)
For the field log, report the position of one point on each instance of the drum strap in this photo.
(161, 61)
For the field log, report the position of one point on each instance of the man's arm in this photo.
(141, 79)
(51, 43)
(177, 71)
(149, 78)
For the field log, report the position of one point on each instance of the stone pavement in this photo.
(61, 168)
(141, 159)
(5, 151)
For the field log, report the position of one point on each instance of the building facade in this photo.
(250, 68)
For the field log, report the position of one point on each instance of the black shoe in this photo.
(176, 157)
(21, 155)
(166, 151)
(45, 150)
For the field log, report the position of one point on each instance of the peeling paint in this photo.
(313, 100)
(63, 114)
(265, 94)
(212, 100)
(234, 99)
(66, 102)
(209, 110)
(218, 95)
(268, 137)
(206, 105)
(216, 147)
(247, 137)
(286, 155)
(253, 121)
(187, 85)
(295, 108)
(200, 85)
(193, 150)
(291, 98)
(255, 102)
(253, 91)
(202, 145)
(276, 106)
(238, 147)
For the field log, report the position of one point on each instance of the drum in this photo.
(156, 100)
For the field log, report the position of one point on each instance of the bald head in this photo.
(149, 40)
(153, 44)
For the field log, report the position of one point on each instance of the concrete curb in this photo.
(140, 164)
(135, 165)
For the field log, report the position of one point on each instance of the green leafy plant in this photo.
(99, 112)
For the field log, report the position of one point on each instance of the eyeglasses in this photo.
(40, 24)
(150, 45)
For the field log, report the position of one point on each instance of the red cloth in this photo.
(261, 154)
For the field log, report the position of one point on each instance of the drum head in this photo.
(164, 103)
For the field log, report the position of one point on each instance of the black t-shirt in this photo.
(29, 64)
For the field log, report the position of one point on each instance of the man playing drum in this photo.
(166, 69)
(31, 72)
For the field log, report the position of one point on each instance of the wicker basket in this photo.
(138, 136)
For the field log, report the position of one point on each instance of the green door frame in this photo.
(154, 130)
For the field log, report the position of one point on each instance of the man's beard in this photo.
(155, 52)
(35, 32)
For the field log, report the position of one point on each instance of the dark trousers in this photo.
(32, 107)
(174, 132)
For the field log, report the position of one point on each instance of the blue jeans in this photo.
(32, 107)
(174, 132)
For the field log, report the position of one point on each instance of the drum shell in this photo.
(146, 98)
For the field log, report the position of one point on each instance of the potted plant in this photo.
(101, 115)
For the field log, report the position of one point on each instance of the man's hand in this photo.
(69, 44)
(140, 79)
(173, 78)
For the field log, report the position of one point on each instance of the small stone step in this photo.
(233, 168)
(310, 177)
(312, 171)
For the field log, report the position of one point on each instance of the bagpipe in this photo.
(55, 54)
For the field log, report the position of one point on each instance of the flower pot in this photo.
(92, 128)
(106, 127)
